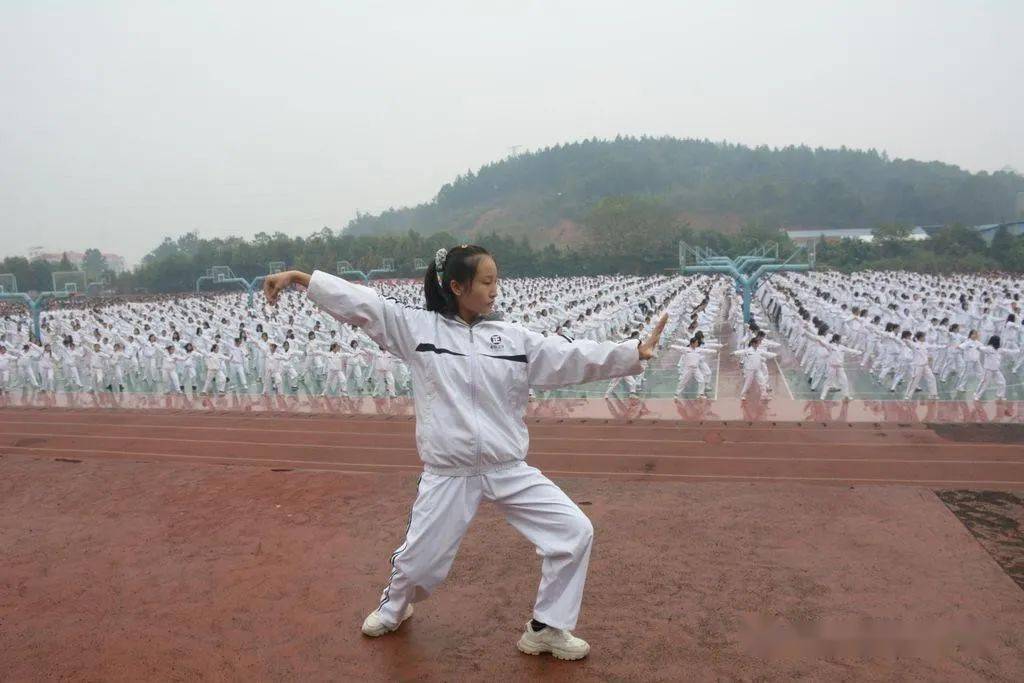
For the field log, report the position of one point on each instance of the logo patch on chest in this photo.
(497, 343)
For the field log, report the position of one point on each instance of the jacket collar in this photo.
(494, 316)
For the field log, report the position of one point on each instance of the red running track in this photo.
(915, 454)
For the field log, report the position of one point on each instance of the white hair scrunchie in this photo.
(439, 260)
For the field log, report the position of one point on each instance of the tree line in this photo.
(622, 234)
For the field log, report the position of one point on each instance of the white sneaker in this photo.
(374, 624)
(559, 642)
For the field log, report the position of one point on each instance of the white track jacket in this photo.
(470, 382)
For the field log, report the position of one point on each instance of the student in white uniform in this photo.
(6, 369)
(47, 369)
(991, 363)
(30, 353)
(690, 362)
(355, 363)
(272, 365)
(972, 368)
(920, 370)
(472, 374)
(98, 360)
(214, 361)
(171, 378)
(835, 377)
(383, 373)
(751, 360)
(73, 355)
(236, 366)
(118, 363)
(335, 362)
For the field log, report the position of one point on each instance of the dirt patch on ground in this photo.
(996, 518)
(981, 433)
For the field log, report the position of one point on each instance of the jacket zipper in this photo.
(472, 381)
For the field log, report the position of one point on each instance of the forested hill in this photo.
(546, 195)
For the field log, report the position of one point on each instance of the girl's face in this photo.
(478, 298)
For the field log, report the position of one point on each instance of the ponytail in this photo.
(457, 264)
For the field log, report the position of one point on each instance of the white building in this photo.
(807, 235)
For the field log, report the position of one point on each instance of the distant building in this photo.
(808, 235)
(115, 262)
(920, 232)
(988, 231)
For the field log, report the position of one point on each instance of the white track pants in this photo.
(836, 379)
(685, 375)
(994, 378)
(531, 503)
(215, 377)
(384, 382)
(238, 375)
(921, 374)
(47, 380)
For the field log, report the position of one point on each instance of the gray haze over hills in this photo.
(124, 122)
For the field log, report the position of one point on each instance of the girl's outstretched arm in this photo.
(551, 362)
(387, 323)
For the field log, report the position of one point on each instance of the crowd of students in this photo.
(911, 332)
(216, 343)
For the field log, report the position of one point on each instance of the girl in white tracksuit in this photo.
(47, 365)
(30, 353)
(215, 361)
(171, 379)
(752, 359)
(471, 378)
(972, 367)
(6, 369)
(236, 365)
(991, 363)
(72, 356)
(272, 364)
(334, 361)
(98, 360)
(690, 361)
(119, 360)
(354, 365)
(835, 372)
(920, 370)
(383, 372)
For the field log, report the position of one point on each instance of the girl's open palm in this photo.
(647, 346)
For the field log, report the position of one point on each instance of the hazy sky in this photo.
(123, 122)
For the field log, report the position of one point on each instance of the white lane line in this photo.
(718, 373)
(743, 444)
(741, 426)
(784, 382)
(253, 461)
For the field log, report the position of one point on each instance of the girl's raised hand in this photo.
(647, 346)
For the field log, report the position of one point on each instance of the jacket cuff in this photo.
(317, 289)
(628, 353)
